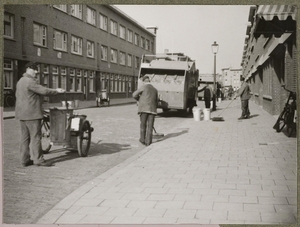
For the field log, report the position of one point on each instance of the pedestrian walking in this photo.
(244, 93)
(208, 95)
(230, 92)
(147, 98)
(29, 111)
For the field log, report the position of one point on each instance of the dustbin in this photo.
(197, 114)
(206, 113)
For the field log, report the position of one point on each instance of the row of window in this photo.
(71, 79)
(112, 27)
(60, 43)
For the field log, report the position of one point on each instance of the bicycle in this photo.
(288, 115)
(45, 130)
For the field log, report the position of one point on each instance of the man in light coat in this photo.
(147, 97)
(244, 93)
(29, 111)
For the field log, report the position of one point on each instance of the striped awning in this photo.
(274, 20)
(282, 12)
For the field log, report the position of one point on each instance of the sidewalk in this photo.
(10, 112)
(207, 172)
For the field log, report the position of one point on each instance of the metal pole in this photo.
(215, 90)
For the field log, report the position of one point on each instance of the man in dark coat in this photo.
(29, 112)
(147, 98)
(244, 93)
(208, 95)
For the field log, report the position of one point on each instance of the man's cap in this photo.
(146, 78)
(31, 65)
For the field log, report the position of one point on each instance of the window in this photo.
(111, 82)
(46, 76)
(129, 36)
(113, 56)
(8, 73)
(120, 83)
(124, 84)
(60, 40)
(137, 65)
(147, 44)
(90, 16)
(104, 81)
(103, 22)
(61, 7)
(54, 77)
(90, 47)
(136, 39)
(113, 27)
(152, 47)
(129, 85)
(122, 32)
(76, 11)
(79, 80)
(103, 53)
(142, 42)
(8, 25)
(91, 81)
(129, 60)
(116, 83)
(63, 78)
(72, 80)
(76, 47)
(122, 58)
(40, 35)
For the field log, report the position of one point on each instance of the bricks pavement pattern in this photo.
(206, 172)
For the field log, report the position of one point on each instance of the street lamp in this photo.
(214, 49)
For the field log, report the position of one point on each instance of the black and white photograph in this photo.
(137, 114)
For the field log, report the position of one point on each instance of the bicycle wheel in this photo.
(84, 139)
(281, 121)
(10, 101)
(45, 141)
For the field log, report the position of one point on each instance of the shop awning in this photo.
(282, 12)
(275, 20)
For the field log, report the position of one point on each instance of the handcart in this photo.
(62, 127)
(102, 98)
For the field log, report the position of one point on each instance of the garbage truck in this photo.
(175, 77)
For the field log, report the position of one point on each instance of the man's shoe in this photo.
(29, 163)
(241, 118)
(45, 164)
(142, 142)
(247, 116)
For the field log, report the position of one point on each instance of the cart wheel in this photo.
(84, 139)
(45, 141)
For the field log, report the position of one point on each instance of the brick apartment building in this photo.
(81, 48)
(270, 55)
(231, 77)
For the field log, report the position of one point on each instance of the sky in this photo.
(192, 29)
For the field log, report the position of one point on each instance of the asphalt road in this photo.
(29, 192)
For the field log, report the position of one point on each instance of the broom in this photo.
(218, 118)
(157, 135)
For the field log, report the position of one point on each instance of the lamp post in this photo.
(215, 48)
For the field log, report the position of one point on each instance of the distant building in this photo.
(231, 76)
(270, 55)
(81, 48)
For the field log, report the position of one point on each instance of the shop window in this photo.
(91, 81)
(55, 77)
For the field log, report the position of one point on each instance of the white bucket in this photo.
(197, 114)
(211, 104)
(206, 113)
(219, 100)
(70, 103)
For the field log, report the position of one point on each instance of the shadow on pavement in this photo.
(254, 115)
(171, 135)
(108, 148)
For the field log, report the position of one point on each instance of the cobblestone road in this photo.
(32, 191)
